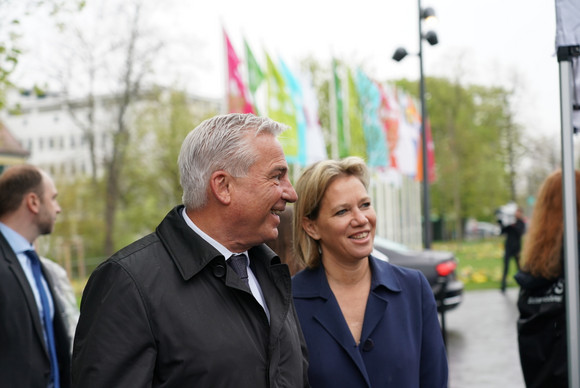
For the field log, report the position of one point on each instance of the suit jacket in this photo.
(401, 344)
(24, 359)
(167, 311)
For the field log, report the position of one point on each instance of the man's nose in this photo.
(288, 193)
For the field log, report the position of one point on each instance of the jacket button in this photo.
(368, 345)
(219, 271)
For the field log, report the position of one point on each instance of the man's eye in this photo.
(366, 204)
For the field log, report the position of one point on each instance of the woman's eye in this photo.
(341, 212)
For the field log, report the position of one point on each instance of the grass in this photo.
(480, 262)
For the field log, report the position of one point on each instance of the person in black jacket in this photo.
(513, 243)
(173, 309)
(541, 301)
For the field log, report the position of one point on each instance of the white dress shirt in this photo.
(252, 280)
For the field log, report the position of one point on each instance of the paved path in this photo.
(482, 343)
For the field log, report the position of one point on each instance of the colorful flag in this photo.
(297, 98)
(315, 145)
(281, 108)
(354, 127)
(255, 73)
(430, 156)
(338, 111)
(237, 93)
(409, 128)
(389, 114)
(370, 101)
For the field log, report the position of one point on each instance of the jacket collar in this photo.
(313, 283)
(190, 252)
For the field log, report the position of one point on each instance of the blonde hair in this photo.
(311, 187)
(542, 251)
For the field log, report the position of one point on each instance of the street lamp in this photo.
(400, 53)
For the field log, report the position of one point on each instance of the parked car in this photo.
(478, 229)
(437, 266)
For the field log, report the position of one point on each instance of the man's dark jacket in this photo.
(167, 311)
(24, 360)
(514, 233)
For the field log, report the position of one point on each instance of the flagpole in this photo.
(225, 100)
(426, 204)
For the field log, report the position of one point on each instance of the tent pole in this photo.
(565, 55)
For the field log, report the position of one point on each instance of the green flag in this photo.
(355, 119)
(255, 73)
(342, 138)
(281, 108)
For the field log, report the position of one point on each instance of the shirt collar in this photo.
(219, 247)
(16, 241)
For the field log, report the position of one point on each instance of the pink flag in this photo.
(430, 156)
(238, 94)
(389, 114)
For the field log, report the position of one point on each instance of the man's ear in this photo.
(32, 202)
(310, 228)
(220, 186)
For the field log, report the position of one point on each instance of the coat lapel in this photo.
(14, 267)
(328, 314)
(274, 279)
(377, 303)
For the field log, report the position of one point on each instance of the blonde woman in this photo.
(367, 323)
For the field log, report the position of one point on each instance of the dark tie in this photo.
(35, 263)
(239, 264)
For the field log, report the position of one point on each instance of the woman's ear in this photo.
(220, 186)
(310, 228)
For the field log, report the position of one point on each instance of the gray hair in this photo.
(219, 143)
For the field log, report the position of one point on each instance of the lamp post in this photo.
(400, 53)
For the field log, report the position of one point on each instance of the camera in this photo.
(506, 214)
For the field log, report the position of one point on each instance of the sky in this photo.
(507, 43)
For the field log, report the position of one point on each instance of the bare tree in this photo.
(107, 74)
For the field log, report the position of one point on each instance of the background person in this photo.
(513, 243)
(366, 322)
(541, 301)
(34, 341)
(169, 310)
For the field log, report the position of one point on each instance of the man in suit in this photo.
(202, 301)
(34, 344)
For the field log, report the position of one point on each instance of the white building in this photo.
(50, 127)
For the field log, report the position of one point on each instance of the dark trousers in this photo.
(506, 265)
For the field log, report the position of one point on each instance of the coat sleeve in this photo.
(114, 345)
(303, 348)
(434, 368)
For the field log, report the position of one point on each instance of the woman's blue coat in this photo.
(401, 343)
